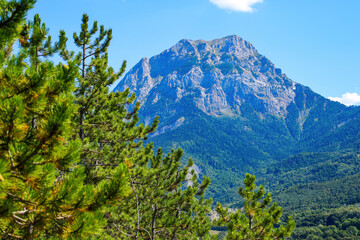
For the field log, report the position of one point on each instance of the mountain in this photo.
(233, 111)
(220, 76)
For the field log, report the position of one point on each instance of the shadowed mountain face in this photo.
(233, 111)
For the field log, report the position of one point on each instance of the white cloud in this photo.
(347, 99)
(236, 5)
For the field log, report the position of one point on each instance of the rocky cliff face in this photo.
(219, 75)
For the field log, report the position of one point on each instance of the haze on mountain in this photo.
(233, 111)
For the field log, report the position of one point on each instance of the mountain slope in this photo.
(233, 111)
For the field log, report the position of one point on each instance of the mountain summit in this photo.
(220, 75)
(233, 111)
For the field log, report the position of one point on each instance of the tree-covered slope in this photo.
(339, 223)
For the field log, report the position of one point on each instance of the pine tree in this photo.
(257, 218)
(160, 206)
(109, 131)
(12, 15)
(107, 124)
(42, 190)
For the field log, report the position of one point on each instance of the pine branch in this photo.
(21, 200)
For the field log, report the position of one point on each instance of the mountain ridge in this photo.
(222, 73)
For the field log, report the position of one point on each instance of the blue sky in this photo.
(315, 42)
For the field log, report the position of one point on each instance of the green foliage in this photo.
(313, 180)
(153, 203)
(329, 194)
(258, 216)
(160, 206)
(335, 223)
(48, 125)
(58, 183)
(314, 187)
(12, 14)
(315, 167)
(42, 190)
(109, 131)
(316, 132)
(227, 156)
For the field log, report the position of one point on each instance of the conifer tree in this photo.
(160, 206)
(42, 190)
(107, 122)
(257, 218)
(12, 15)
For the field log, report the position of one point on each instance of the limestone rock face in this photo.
(219, 76)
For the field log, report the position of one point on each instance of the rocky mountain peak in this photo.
(220, 75)
(231, 45)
